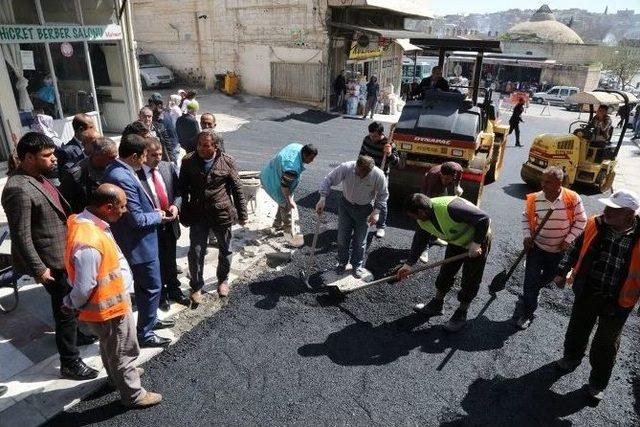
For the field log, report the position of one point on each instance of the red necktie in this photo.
(162, 195)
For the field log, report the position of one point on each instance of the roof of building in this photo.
(543, 26)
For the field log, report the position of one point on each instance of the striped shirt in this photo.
(558, 229)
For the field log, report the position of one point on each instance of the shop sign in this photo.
(58, 33)
(359, 52)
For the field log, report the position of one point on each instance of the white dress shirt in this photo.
(152, 186)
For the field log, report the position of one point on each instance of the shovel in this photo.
(304, 274)
(500, 280)
(388, 278)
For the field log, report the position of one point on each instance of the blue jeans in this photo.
(147, 287)
(382, 220)
(352, 232)
(541, 267)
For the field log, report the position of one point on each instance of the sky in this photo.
(445, 7)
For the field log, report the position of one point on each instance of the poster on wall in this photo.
(66, 49)
(28, 63)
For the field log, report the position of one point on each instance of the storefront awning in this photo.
(410, 8)
(406, 46)
(505, 59)
(382, 32)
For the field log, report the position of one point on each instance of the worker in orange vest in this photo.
(605, 264)
(101, 280)
(545, 252)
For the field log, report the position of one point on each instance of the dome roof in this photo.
(542, 26)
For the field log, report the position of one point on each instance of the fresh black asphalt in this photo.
(279, 354)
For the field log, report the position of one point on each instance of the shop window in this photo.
(59, 11)
(40, 87)
(18, 12)
(74, 86)
(98, 12)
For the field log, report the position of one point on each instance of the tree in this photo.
(623, 62)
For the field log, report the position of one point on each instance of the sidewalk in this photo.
(30, 364)
(628, 168)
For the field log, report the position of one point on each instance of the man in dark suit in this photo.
(137, 235)
(160, 179)
(187, 128)
(82, 179)
(150, 118)
(72, 152)
(37, 216)
(434, 81)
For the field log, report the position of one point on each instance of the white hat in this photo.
(622, 199)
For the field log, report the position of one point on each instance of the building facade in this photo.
(289, 48)
(64, 57)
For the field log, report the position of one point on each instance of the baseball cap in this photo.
(622, 199)
(155, 97)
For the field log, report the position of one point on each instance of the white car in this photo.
(555, 95)
(152, 72)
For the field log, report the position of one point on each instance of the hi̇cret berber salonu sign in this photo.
(58, 33)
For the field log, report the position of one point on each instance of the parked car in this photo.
(152, 72)
(555, 95)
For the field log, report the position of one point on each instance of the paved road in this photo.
(279, 354)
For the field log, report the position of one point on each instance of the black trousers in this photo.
(516, 127)
(587, 310)
(167, 243)
(66, 324)
(472, 271)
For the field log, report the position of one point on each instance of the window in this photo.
(148, 60)
(59, 11)
(553, 91)
(98, 12)
(564, 92)
(24, 11)
(40, 88)
(70, 66)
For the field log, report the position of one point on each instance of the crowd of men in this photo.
(101, 223)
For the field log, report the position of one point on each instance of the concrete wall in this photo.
(566, 54)
(238, 35)
(584, 77)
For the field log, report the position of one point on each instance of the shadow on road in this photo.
(518, 190)
(274, 289)
(522, 401)
(91, 416)
(314, 117)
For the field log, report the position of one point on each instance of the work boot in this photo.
(567, 365)
(523, 322)
(595, 393)
(196, 297)
(149, 399)
(432, 308)
(457, 321)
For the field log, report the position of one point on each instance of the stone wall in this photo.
(566, 54)
(584, 77)
(243, 36)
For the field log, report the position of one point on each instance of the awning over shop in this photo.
(411, 8)
(601, 98)
(505, 59)
(406, 46)
(382, 32)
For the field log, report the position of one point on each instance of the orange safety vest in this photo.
(109, 298)
(569, 197)
(630, 291)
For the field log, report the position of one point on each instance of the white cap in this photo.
(622, 199)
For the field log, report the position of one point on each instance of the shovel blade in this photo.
(498, 283)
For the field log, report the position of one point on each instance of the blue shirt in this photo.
(289, 159)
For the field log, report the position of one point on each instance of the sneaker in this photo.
(359, 273)
(380, 233)
(595, 392)
(440, 242)
(432, 308)
(457, 321)
(424, 257)
(78, 370)
(523, 323)
(567, 365)
(149, 399)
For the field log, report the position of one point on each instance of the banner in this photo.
(58, 33)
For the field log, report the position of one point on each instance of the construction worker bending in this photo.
(281, 176)
(466, 230)
(545, 252)
(605, 264)
(364, 195)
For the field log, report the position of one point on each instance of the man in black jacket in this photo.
(79, 147)
(151, 120)
(79, 182)
(377, 146)
(515, 120)
(187, 127)
(160, 180)
(434, 81)
(212, 199)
